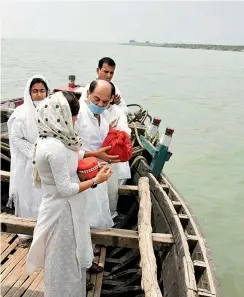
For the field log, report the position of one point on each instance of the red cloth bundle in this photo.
(121, 145)
(88, 167)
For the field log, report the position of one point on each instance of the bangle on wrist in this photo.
(94, 183)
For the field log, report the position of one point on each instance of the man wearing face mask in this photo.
(92, 126)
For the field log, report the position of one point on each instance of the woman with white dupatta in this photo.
(62, 240)
(22, 130)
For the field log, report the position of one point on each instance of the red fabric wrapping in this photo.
(88, 167)
(121, 145)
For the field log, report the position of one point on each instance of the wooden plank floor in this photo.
(16, 283)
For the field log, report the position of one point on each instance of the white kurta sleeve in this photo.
(81, 154)
(123, 124)
(59, 165)
(122, 104)
(17, 136)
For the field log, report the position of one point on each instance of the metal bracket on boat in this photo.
(160, 153)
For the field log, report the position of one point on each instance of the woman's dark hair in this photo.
(37, 81)
(73, 101)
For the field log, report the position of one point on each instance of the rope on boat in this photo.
(154, 141)
(139, 118)
(136, 160)
(137, 135)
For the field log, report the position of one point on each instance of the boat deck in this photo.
(16, 283)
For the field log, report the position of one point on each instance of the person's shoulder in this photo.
(84, 91)
(86, 87)
(83, 106)
(50, 142)
(18, 113)
(117, 90)
(117, 110)
(17, 117)
(50, 147)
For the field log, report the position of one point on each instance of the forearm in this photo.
(85, 154)
(23, 145)
(85, 185)
(91, 154)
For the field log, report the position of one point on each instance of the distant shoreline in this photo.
(216, 47)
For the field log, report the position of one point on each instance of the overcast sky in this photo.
(218, 22)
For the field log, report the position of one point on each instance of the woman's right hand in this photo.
(104, 174)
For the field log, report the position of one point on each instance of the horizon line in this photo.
(114, 42)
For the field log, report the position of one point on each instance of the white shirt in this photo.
(92, 136)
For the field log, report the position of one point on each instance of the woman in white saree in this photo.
(62, 241)
(23, 133)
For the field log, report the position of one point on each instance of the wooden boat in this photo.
(156, 247)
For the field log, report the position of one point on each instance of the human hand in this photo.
(113, 124)
(101, 165)
(104, 174)
(102, 154)
(117, 99)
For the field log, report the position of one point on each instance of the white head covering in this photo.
(26, 112)
(54, 119)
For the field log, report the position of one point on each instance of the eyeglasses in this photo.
(35, 91)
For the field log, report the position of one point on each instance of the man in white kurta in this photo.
(93, 127)
(105, 71)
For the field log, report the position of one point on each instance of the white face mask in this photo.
(36, 103)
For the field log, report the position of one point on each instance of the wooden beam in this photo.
(99, 280)
(5, 157)
(148, 260)
(5, 176)
(185, 270)
(126, 238)
(107, 237)
(4, 135)
(128, 190)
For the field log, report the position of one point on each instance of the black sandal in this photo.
(95, 268)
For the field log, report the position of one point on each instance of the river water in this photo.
(199, 93)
